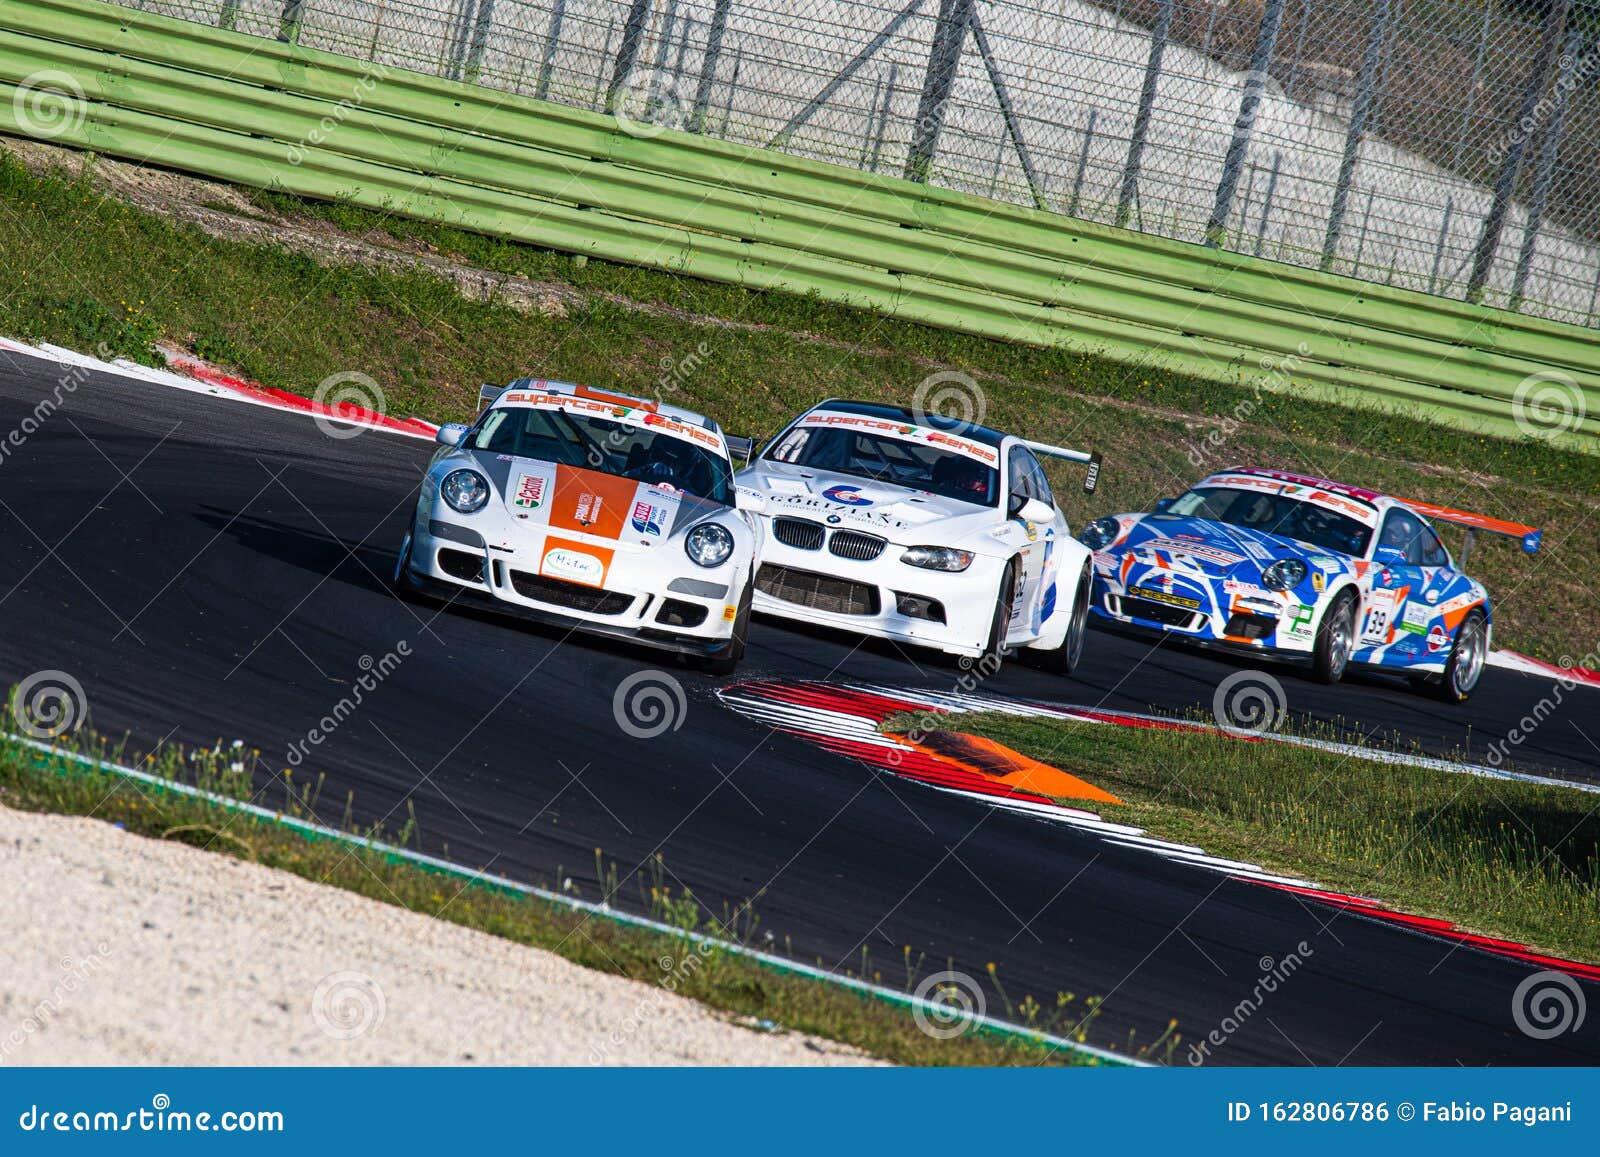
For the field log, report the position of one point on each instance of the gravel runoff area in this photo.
(121, 950)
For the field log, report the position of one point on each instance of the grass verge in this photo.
(86, 268)
(1508, 859)
(744, 988)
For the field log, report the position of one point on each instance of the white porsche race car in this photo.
(606, 512)
(922, 530)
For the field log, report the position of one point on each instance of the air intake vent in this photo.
(851, 544)
(798, 533)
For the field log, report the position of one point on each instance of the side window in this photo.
(1041, 484)
(1018, 481)
(1403, 532)
(1433, 551)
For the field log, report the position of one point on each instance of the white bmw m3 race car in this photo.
(600, 511)
(920, 529)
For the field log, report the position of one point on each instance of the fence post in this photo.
(944, 58)
(1244, 124)
(1141, 119)
(1008, 111)
(552, 40)
(1360, 110)
(1083, 162)
(842, 77)
(480, 39)
(628, 50)
(1506, 185)
(1549, 149)
(1272, 191)
(1438, 250)
(708, 66)
(289, 21)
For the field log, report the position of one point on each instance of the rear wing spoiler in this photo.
(488, 395)
(1528, 536)
(1090, 480)
(742, 448)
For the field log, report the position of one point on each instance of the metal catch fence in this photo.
(1449, 146)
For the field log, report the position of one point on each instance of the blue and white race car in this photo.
(1302, 569)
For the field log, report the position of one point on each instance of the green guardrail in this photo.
(257, 112)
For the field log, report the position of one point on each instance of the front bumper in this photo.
(882, 597)
(687, 614)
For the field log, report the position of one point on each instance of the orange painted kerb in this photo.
(1009, 767)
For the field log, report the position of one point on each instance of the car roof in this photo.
(906, 414)
(1360, 494)
(688, 417)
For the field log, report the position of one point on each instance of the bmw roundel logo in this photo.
(846, 496)
(834, 518)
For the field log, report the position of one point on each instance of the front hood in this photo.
(1211, 548)
(848, 500)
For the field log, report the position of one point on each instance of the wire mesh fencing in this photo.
(1448, 146)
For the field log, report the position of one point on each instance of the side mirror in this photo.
(451, 434)
(1162, 505)
(749, 501)
(1032, 510)
(1391, 555)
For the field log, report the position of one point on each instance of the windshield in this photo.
(947, 473)
(1276, 514)
(606, 445)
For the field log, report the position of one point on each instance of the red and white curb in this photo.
(846, 719)
(1574, 674)
(199, 377)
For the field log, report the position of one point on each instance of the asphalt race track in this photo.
(213, 570)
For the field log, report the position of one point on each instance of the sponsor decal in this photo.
(1438, 638)
(529, 492)
(846, 496)
(605, 406)
(588, 509)
(1319, 581)
(1415, 618)
(729, 613)
(648, 518)
(985, 454)
(1300, 624)
(574, 565)
(1194, 548)
(1165, 597)
(1432, 596)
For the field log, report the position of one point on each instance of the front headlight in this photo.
(937, 558)
(465, 491)
(709, 544)
(1283, 575)
(1100, 533)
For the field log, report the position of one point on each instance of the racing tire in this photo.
(994, 648)
(401, 581)
(1064, 660)
(1336, 640)
(1467, 655)
(727, 660)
